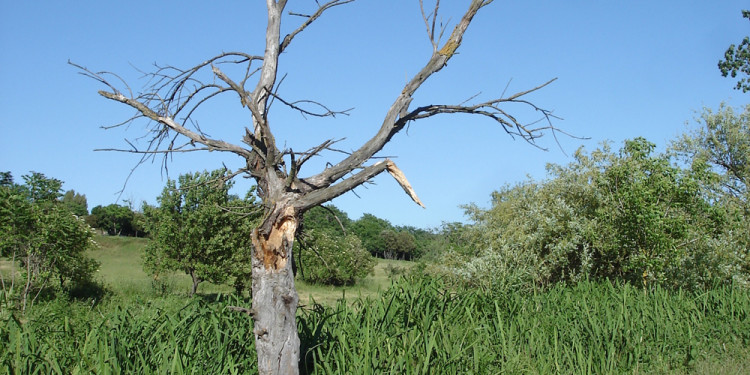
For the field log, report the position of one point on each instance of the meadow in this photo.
(121, 270)
(399, 325)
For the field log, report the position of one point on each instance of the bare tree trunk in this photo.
(274, 295)
(176, 93)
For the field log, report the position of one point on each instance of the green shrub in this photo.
(632, 215)
(333, 260)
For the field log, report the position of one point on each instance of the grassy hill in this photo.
(121, 270)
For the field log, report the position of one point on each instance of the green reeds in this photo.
(418, 326)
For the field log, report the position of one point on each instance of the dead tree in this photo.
(173, 95)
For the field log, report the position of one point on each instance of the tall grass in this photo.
(415, 327)
(199, 338)
(588, 329)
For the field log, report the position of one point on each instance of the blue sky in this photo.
(624, 69)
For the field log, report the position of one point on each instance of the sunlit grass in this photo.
(416, 326)
(412, 325)
(122, 272)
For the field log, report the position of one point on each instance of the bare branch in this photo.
(391, 124)
(173, 125)
(310, 19)
(491, 109)
(430, 30)
(316, 150)
(335, 217)
(322, 195)
(327, 112)
(152, 151)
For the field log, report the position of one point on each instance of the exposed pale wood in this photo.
(401, 179)
(175, 94)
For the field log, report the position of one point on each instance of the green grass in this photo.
(122, 272)
(370, 286)
(415, 327)
(411, 326)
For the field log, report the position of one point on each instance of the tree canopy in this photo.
(198, 229)
(737, 61)
(38, 231)
(76, 203)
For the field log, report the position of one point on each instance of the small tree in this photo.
(723, 141)
(197, 229)
(398, 245)
(115, 219)
(76, 203)
(369, 228)
(332, 259)
(40, 233)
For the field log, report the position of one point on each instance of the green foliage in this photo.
(76, 203)
(398, 245)
(115, 219)
(44, 237)
(631, 215)
(329, 218)
(201, 230)
(369, 229)
(6, 179)
(737, 61)
(415, 327)
(193, 338)
(723, 141)
(424, 240)
(332, 259)
(657, 219)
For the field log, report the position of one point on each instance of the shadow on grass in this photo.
(88, 291)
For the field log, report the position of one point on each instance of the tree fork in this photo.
(169, 102)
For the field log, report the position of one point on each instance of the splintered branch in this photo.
(399, 176)
(319, 196)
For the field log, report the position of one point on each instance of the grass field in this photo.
(121, 271)
(411, 326)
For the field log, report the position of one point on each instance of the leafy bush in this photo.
(43, 237)
(631, 215)
(394, 272)
(333, 260)
(200, 229)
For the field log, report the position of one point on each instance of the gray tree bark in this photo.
(275, 297)
(175, 94)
